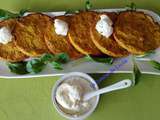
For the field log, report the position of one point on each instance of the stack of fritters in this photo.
(33, 35)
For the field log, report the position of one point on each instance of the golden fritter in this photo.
(137, 32)
(58, 43)
(79, 33)
(9, 51)
(30, 32)
(107, 45)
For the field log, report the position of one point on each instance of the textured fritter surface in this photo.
(107, 45)
(58, 43)
(30, 32)
(9, 51)
(79, 33)
(137, 32)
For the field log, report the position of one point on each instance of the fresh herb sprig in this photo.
(101, 59)
(57, 65)
(22, 12)
(38, 64)
(35, 66)
(136, 72)
(18, 68)
(155, 64)
(147, 54)
(4, 14)
(88, 5)
(131, 7)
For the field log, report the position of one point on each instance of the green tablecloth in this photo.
(29, 99)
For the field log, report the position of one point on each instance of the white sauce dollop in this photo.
(61, 27)
(104, 26)
(69, 95)
(5, 35)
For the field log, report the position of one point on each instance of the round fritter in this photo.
(58, 43)
(9, 51)
(137, 32)
(79, 33)
(30, 32)
(107, 45)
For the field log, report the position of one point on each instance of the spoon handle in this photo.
(119, 85)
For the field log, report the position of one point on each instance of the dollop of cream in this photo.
(69, 96)
(61, 27)
(104, 26)
(5, 35)
(70, 93)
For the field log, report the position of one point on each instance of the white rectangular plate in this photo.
(83, 65)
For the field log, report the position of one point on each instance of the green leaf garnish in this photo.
(4, 15)
(146, 54)
(38, 64)
(35, 66)
(131, 7)
(56, 60)
(57, 65)
(136, 72)
(47, 57)
(61, 58)
(88, 5)
(18, 67)
(22, 12)
(155, 64)
(101, 59)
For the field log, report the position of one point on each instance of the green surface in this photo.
(50, 5)
(29, 99)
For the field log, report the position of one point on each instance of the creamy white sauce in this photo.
(69, 95)
(104, 26)
(5, 35)
(61, 27)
